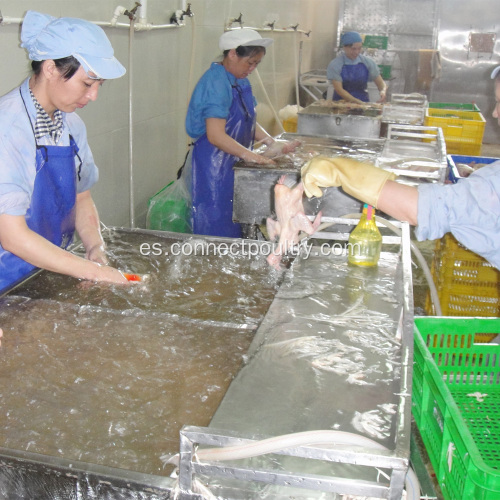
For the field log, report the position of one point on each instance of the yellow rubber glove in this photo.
(361, 180)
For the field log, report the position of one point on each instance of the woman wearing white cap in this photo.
(221, 120)
(46, 166)
(351, 71)
(469, 209)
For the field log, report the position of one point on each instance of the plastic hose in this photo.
(276, 117)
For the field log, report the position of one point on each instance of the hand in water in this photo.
(251, 157)
(97, 254)
(111, 275)
(1, 335)
(278, 148)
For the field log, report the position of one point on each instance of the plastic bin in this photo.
(454, 175)
(454, 105)
(463, 130)
(456, 404)
(466, 283)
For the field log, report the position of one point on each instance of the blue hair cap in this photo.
(350, 37)
(47, 37)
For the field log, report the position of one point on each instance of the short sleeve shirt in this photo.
(212, 98)
(334, 70)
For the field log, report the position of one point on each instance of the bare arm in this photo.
(87, 227)
(382, 88)
(339, 88)
(399, 201)
(216, 134)
(17, 238)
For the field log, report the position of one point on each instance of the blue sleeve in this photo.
(334, 69)
(212, 98)
(469, 209)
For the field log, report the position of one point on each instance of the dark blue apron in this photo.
(51, 213)
(212, 183)
(354, 80)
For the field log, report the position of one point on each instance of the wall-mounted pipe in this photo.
(10, 20)
(274, 30)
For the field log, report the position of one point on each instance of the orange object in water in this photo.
(132, 277)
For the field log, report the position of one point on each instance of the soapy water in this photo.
(309, 147)
(108, 374)
(109, 387)
(230, 288)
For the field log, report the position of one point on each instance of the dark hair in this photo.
(67, 66)
(247, 50)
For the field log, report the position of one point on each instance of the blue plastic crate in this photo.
(453, 174)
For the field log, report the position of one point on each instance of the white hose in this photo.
(416, 251)
(276, 117)
(297, 70)
(308, 438)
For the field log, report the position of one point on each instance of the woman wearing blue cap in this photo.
(221, 119)
(351, 71)
(46, 166)
(469, 209)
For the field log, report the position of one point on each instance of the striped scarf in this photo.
(44, 125)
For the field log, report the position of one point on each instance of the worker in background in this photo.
(351, 71)
(221, 119)
(469, 209)
(46, 166)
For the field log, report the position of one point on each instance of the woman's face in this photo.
(353, 51)
(241, 67)
(72, 94)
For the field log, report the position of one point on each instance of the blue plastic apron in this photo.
(354, 80)
(51, 213)
(212, 182)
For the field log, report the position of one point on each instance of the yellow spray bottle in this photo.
(365, 241)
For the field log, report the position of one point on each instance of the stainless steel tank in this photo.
(323, 118)
(98, 380)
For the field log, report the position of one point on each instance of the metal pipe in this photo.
(274, 30)
(130, 126)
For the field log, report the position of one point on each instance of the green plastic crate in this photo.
(459, 427)
(454, 105)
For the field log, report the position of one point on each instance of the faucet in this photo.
(131, 13)
(187, 12)
(178, 15)
(238, 19)
(271, 25)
